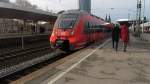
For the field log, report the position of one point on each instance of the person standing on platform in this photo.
(124, 36)
(115, 36)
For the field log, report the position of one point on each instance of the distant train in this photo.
(75, 29)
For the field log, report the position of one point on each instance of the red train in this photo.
(74, 29)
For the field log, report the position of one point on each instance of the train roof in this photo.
(75, 12)
(80, 12)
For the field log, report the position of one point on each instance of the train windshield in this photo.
(67, 21)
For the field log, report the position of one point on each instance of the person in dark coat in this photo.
(124, 36)
(115, 36)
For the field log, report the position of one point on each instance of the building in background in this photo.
(85, 5)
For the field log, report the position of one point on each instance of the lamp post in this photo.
(138, 18)
(143, 16)
(128, 16)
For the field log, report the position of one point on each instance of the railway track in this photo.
(21, 52)
(10, 50)
(17, 75)
(17, 61)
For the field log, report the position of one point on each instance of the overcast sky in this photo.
(121, 8)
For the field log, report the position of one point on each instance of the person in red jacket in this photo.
(124, 35)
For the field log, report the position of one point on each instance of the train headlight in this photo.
(56, 33)
(72, 33)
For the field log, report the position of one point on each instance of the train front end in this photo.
(63, 35)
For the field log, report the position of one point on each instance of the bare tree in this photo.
(25, 4)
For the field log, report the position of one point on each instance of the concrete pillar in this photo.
(85, 5)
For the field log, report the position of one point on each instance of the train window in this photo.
(67, 21)
(101, 28)
(89, 25)
(86, 27)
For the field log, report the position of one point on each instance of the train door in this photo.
(87, 31)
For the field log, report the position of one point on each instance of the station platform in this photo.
(99, 64)
(11, 43)
(146, 36)
(10, 36)
(106, 66)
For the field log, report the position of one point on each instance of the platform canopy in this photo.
(108, 25)
(125, 21)
(11, 11)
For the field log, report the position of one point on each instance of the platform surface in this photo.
(106, 66)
